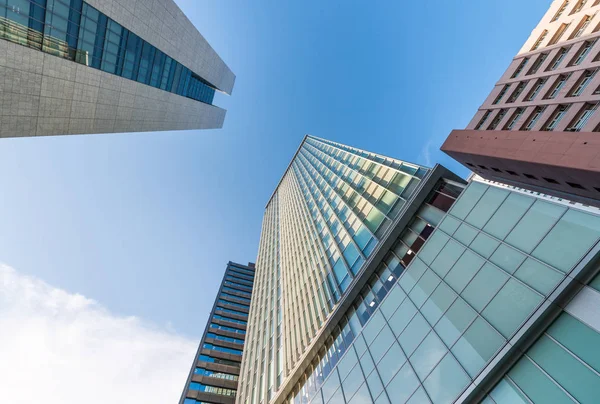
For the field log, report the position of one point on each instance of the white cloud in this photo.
(426, 152)
(62, 348)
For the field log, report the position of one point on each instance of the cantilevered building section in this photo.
(215, 372)
(540, 127)
(78, 67)
(381, 281)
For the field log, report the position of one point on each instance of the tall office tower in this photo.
(538, 128)
(215, 372)
(379, 281)
(96, 66)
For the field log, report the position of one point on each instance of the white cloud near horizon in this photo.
(60, 348)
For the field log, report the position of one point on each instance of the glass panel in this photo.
(353, 382)
(506, 393)
(569, 240)
(538, 276)
(438, 303)
(403, 385)
(374, 383)
(420, 397)
(595, 284)
(381, 344)
(511, 307)
(425, 287)
(347, 363)
(402, 316)
(578, 338)
(449, 225)
(427, 355)
(412, 274)
(581, 382)
(464, 270)
(487, 205)
(446, 381)
(465, 234)
(477, 346)
(393, 300)
(391, 363)
(362, 396)
(447, 257)
(505, 218)
(507, 258)
(455, 321)
(484, 245)
(372, 329)
(414, 333)
(468, 199)
(534, 225)
(331, 385)
(434, 245)
(484, 286)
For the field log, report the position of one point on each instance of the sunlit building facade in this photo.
(215, 371)
(381, 281)
(75, 67)
(539, 126)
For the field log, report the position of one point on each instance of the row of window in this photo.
(218, 361)
(576, 125)
(241, 292)
(213, 373)
(225, 328)
(224, 338)
(573, 185)
(241, 280)
(243, 270)
(212, 389)
(222, 349)
(577, 8)
(74, 30)
(230, 296)
(230, 311)
(238, 287)
(241, 306)
(231, 320)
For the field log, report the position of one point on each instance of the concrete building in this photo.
(380, 281)
(98, 66)
(538, 128)
(215, 371)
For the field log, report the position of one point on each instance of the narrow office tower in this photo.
(97, 66)
(216, 368)
(539, 127)
(380, 281)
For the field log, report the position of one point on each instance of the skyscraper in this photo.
(75, 67)
(381, 281)
(538, 128)
(215, 370)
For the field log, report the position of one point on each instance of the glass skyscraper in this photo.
(381, 281)
(215, 371)
(98, 67)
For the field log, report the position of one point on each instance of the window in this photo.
(558, 85)
(560, 11)
(539, 40)
(555, 118)
(531, 177)
(517, 92)
(574, 185)
(558, 59)
(539, 84)
(582, 83)
(583, 52)
(559, 33)
(501, 94)
(578, 7)
(582, 117)
(585, 22)
(538, 62)
(530, 123)
(499, 116)
(483, 119)
(551, 181)
(497, 169)
(212, 389)
(514, 118)
(520, 67)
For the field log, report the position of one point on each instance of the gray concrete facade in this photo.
(43, 95)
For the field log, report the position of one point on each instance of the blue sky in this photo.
(145, 223)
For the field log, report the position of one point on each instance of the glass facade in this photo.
(74, 30)
(215, 373)
(330, 211)
(493, 260)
